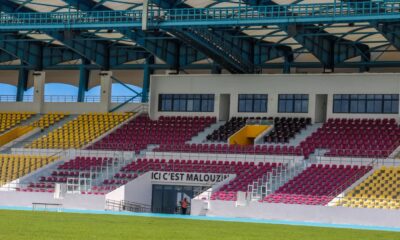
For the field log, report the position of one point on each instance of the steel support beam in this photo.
(168, 50)
(147, 72)
(90, 49)
(96, 51)
(215, 69)
(28, 52)
(391, 31)
(329, 50)
(22, 84)
(84, 76)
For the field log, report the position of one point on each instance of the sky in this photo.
(69, 90)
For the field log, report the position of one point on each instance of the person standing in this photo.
(184, 206)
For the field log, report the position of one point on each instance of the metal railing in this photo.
(113, 205)
(377, 157)
(224, 154)
(70, 99)
(124, 99)
(219, 16)
(13, 98)
(85, 179)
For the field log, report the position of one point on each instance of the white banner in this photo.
(188, 178)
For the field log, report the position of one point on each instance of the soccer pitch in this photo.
(15, 225)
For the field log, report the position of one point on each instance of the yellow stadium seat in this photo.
(80, 131)
(380, 190)
(15, 166)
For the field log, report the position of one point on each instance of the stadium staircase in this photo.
(271, 181)
(221, 49)
(202, 136)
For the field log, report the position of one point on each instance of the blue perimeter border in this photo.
(206, 218)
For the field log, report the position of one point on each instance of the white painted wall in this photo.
(303, 213)
(138, 190)
(71, 201)
(273, 85)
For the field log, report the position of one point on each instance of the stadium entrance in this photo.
(167, 198)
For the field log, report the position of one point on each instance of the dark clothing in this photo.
(184, 206)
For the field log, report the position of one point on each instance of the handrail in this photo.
(127, 206)
(346, 184)
(242, 15)
(71, 98)
(13, 98)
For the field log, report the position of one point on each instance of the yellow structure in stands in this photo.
(9, 120)
(14, 134)
(247, 134)
(48, 120)
(15, 166)
(380, 190)
(80, 131)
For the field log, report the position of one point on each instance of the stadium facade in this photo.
(283, 110)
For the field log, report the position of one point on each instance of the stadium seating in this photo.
(48, 120)
(80, 131)
(74, 168)
(380, 190)
(15, 166)
(229, 128)
(142, 131)
(225, 148)
(9, 120)
(355, 137)
(317, 185)
(246, 172)
(245, 175)
(284, 128)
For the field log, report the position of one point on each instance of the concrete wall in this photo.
(303, 213)
(72, 108)
(39, 106)
(136, 191)
(71, 201)
(273, 85)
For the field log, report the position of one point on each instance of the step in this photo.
(202, 136)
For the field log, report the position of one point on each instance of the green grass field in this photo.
(58, 226)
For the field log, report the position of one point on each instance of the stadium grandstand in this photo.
(268, 109)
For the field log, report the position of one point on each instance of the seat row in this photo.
(232, 149)
(80, 131)
(15, 166)
(361, 142)
(317, 185)
(9, 120)
(142, 131)
(380, 190)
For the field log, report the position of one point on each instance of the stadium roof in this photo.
(238, 48)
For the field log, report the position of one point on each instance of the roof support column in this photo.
(105, 95)
(84, 75)
(39, 80)
(22, 83)
(147, 71)
(216, 69)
